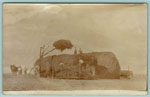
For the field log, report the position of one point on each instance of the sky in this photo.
(117, 28)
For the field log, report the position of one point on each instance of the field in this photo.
(29, 82)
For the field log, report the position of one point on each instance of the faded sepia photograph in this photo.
(74, 49)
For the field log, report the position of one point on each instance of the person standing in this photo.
(75, 51)
(20, 70)
(80, 51)
(80, 65)
(25, 71)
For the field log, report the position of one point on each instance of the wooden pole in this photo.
(40, 59)
(48, 52)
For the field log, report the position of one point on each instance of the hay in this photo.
(107, 64)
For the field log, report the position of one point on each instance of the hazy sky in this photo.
(117, 28)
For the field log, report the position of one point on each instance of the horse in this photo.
(14, 69)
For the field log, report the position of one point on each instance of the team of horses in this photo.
(92, 61)
(18, 70)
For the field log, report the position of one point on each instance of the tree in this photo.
(60, 45)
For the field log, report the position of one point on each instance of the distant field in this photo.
(26, 83)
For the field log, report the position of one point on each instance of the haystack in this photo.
(107, 65)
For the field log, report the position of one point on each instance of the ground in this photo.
(30, 82)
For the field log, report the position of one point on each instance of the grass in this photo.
(29, 82)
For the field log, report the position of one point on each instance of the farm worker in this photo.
(61, 64)
(93, 65)
(80, 51)
(19, 70)
(75, 51)
(93, 70)
(25, 70)
(36, 70)
(80, 64)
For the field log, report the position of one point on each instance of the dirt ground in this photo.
(29, 82)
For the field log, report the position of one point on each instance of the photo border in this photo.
(79, 2)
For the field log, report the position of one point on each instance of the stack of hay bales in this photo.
(107, 65)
